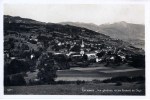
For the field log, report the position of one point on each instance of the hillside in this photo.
(23, 30)
(22, 34)
(131, 33)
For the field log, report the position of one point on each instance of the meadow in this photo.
(85, 81)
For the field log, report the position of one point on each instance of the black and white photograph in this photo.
(74, 49)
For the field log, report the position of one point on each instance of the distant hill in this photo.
(132, 33)
(17, 19)
(25, 24)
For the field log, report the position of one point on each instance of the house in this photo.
(91, 56)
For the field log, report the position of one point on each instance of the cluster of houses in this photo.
(77, 50)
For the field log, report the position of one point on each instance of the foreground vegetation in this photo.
(90, 88)
(122, 85)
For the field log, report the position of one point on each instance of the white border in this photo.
(75, 1)
(87, 97)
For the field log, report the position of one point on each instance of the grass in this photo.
(74, 89)
(91, 73)
(101, 72)
(88, 88)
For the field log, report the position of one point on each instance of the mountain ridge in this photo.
(120, 30)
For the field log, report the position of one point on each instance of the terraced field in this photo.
(98, 73)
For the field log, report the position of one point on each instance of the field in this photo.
(94, 72)
(98, 72)
(82, 89)
(89, 74)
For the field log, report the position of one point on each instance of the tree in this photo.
(7, 81)
(18, 80)
(62, 61)
(76, 48)
(16, 66)
(47, 71)
(137, 61)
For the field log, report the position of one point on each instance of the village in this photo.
(78, 50)
(42, 54)
(65, 51)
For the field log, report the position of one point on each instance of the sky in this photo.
(87, 13)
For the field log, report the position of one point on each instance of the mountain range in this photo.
(132, 33)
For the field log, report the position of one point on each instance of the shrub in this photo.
(17, 80)
(137, 61)
(118, 84)
(35, 82)
(121, 79)
(62, 61)
(78, 82)
(64, 82)
(16, 66)
(125, 79)
(7, 81)
(106, 81)
(96, 81)
(138, 79)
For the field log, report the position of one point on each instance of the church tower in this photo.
(82, 48)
